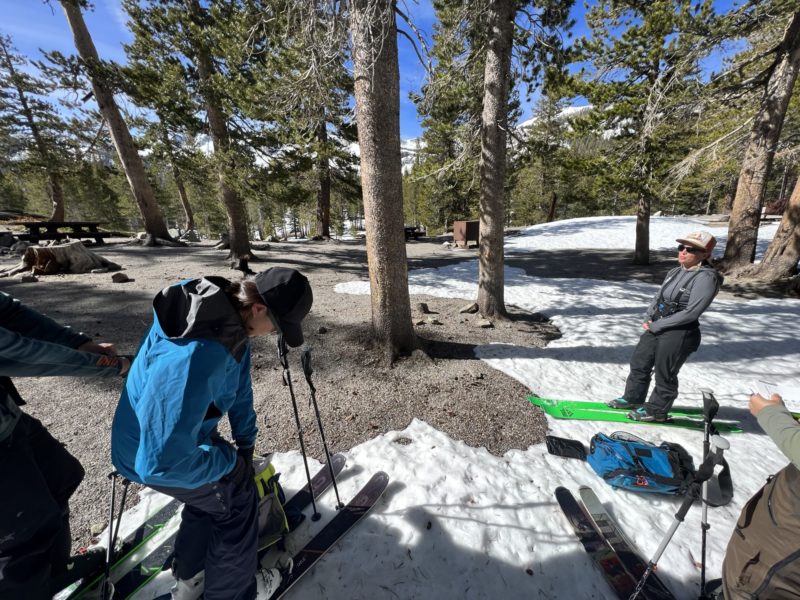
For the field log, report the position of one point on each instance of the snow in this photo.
(458, 522)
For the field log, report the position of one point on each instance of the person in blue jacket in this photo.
(37, 474)
(192, 368)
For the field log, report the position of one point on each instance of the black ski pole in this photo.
(305, 360)
(710, 408)
(706, 470)
(283, 353)
(105, 592)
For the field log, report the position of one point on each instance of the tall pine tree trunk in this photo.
(238, 236)
(176, 175)
(764, 135)
(323, 182)
(641, 252)
(54, 178)
(132, 164)
(377, 94)
(494, 124)
(780, 259)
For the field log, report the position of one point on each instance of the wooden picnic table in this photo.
(49, 230)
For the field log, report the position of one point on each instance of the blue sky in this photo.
(34, 24)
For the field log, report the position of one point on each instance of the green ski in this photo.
(592, 411)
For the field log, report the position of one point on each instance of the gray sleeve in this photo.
(779, 424)
(704, 288)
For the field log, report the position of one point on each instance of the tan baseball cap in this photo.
(699, 239)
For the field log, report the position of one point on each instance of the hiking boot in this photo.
(622, 403)
(641, 414)
(267, 582)
(189, 589)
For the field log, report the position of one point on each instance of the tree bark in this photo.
(132, 164)
(494, 124)
(218, 127)
(780, 259)
(763, 140)
(377, 95)
(54, 178)
(324, 183)
(176, 175)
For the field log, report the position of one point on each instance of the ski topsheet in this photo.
(596, 546)
(135, 542)
(336, 528)
(571, 409)
(654, 588)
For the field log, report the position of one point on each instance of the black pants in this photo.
(37, 478)
(664, 355)
(219, 533)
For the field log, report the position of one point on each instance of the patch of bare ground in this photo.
(359, 395)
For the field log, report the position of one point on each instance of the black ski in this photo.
(161, 560)
(596, 546)
(336, 528)
(654, 588)
(320, 482)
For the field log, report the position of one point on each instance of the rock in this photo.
(419, 322)
(469, 308)
(96, 529)
(100, 270)
(322, 329)
(423, 308)
(434, 321)
(484, 324)
(120, 278)
(7, 239)
(28, 278)
(141, 235)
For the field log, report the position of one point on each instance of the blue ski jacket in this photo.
(192, 367)
(33, 345)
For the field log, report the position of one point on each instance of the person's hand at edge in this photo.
(758, 402)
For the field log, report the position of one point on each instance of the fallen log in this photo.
(68, 258)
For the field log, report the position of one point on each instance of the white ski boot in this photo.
(267, 581)
(189, 589)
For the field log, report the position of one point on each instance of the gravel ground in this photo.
(359, 395)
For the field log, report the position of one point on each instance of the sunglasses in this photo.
(690, 249)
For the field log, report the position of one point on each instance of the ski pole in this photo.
(706, 470)
(283, 353)
(113, 530)
(305, 360)
(710, 408)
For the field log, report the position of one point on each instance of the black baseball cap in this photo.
(287, 294)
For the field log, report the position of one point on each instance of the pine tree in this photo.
(645, 75)
(123, 142)
(36, 123)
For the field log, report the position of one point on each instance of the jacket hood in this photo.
(200, 309)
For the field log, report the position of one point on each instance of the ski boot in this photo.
(622, 403)
(189, 589)
(641, 415)
(267, 582)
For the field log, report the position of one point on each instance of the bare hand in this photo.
(646, 325)
(758, 402)
(102, 348)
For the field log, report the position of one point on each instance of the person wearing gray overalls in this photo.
(671, 331)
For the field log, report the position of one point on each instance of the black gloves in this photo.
(242, 475)
(247, 454)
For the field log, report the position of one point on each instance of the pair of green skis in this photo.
(683, 417)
